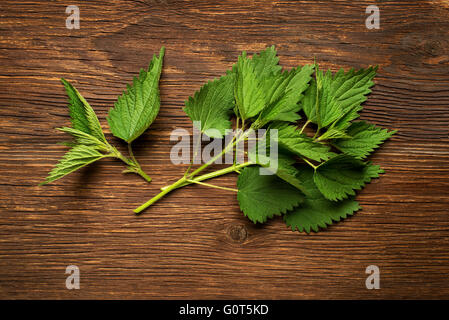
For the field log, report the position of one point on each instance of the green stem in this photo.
(194, 155)
(305, 125)
(317, 133)
(133, 165)
(131, 154)
(317, 104)
(141, 173)
(229, 147)
(190, 176)
(214, 174)
(136, 165)
(236, 133)
(309, 163)
(212, 185)
(160, 195)
(117, 154)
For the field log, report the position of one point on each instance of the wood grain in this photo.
(196, 243)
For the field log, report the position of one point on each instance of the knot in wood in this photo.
(238, 233)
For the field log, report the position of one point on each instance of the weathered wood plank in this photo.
(196, 243)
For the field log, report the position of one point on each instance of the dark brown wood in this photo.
(196, 243)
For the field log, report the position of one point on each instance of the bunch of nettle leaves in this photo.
(316, 177)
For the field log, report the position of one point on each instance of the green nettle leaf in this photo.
(284, 169)
(339, 97)
(316, 211)
(365, 137)
(76, 108)
(270, 80)
(287, 172)
(266, 63)
(326, 110)
(82, 115)
(248, 92)
(350, 88)
(329, 109)
(308, 102)
(340, 176)
(264, 196)
(333, 133)
(138, 106)
(212, 105)
(84, 138)
(274, 86)
(346, 117)
(76, 158)
(88, 136)
(285, 93)
(298, 143)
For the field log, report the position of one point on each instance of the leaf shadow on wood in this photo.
(87, 177)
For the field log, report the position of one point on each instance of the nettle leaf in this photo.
(308, 102)
(298, 143)
(249, 96)
(329, 108)
(340, 176)
(333, 133)
(82, 115)
(316, 211)
(138, 106)
(212, 105)
(365, 137)
(340, 96)
(264, 196)
(84, 138)
(267, 70)
(274, 86)
(279, 92)
(350, 88)
(76, 158)
(347, 116)
(325, 110)
(266, 63)
(285, 93)
(287, 172)
(284, 167)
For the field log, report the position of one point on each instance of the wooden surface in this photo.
(196, 243)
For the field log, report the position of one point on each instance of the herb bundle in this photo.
(316, 176)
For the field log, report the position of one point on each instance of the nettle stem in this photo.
(132, 164)
(212, 186)
(174, 186)
(190, 178)
(304, 126)
(214, 174)
(142, 173)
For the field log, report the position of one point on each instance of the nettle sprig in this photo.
(132, 114)
(317, 176)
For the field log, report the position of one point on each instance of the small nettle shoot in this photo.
(131, 115)
(309, 179)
